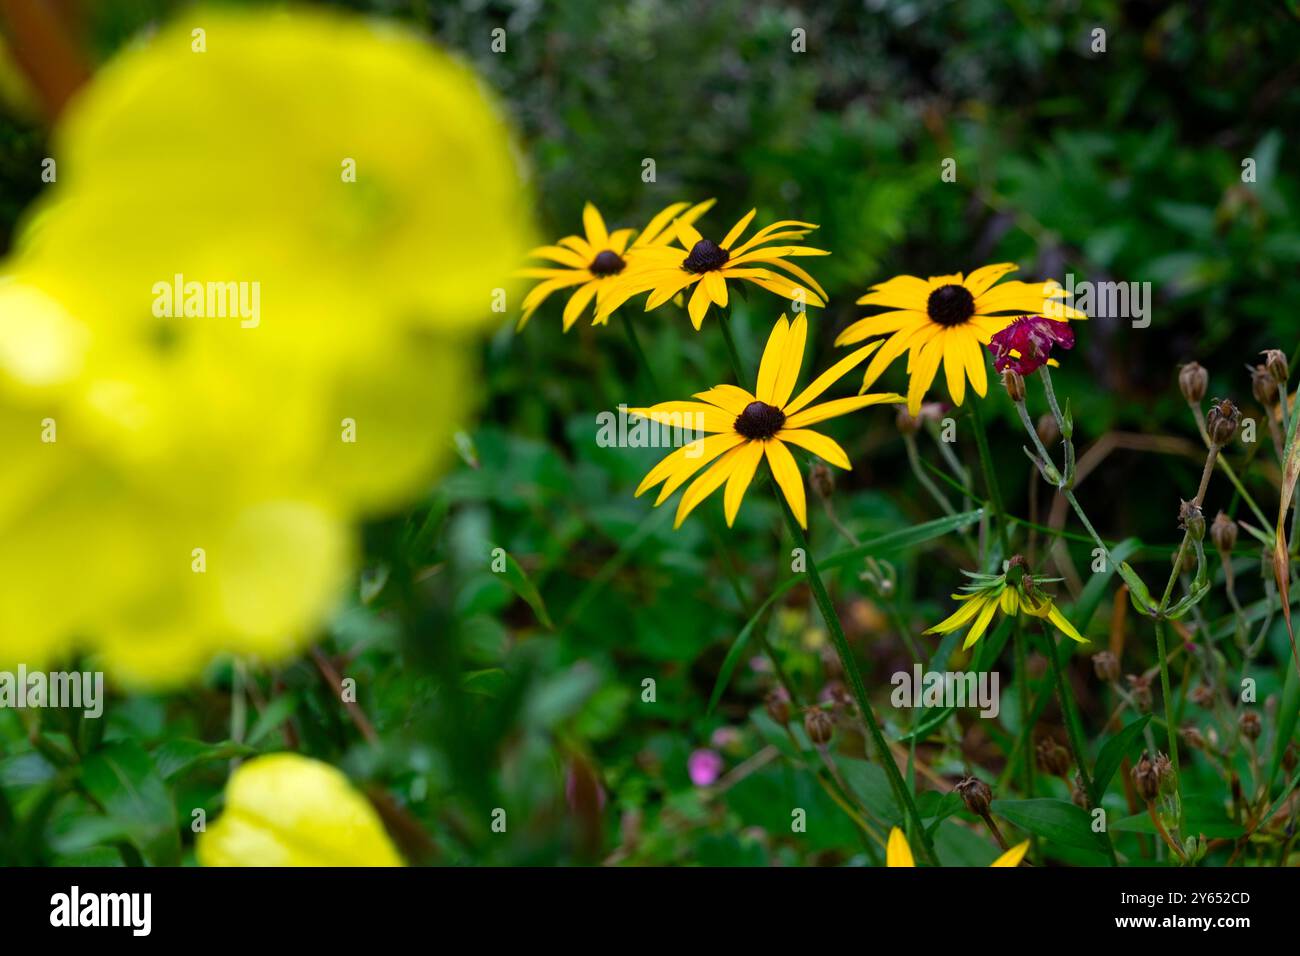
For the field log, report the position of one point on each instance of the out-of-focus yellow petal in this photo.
(897, 852)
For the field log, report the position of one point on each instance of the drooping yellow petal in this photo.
(594, 225)
(840, 406)
(820, 445)
(741, 475)
(716, 286)
(881, 324)
(1063, 624)
(975, 367)
(1010, 601)
(665, 285)
(707, 483)
(1013, 856)
(791, 361)
(970, 607)
(832, 375)
(770, 365)
(927, 364)
(580, 299)
(981, 623)
(897, 852)
(689, 458)
(683, 472)
(699, 305)
(954, 365)
(907, 337)
(788, 479)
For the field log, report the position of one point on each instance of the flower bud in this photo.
(1078, 795)
(1146, 779)
(907, 423)
(1192, 381)
(778, 705)
(1191, 520)
(1140, 687)
(1223, 531)
(1221, 421)
(1164, 773)
(1275, 362)
(1263, 385)
(1053, 758)
(1194, 737)
(1203, 696)
(1014, 383)
(1250, 725)
(823, 482)
(818, 725)
(976, 794)
(1106, 666)
(1049, 433)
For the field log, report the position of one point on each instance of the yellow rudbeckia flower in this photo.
(993, 592)
(898, 853)
(667, 270)
(591, 264)
(946, 319)
(746, 427)
(289, 810)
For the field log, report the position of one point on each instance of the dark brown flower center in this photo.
(950, 305)
(607, 264)
(759, 421)
(706, 256)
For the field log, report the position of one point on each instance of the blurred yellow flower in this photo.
(289, 810)
(898, 853)
(243, 318)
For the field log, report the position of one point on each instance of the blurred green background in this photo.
(1124, 165)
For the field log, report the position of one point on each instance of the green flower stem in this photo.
(629, 327)
(901, 793)
(724, 320)
(1227, 469)
(990, 477)
(1074, 730)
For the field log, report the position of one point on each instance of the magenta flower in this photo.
(704, 766)
(1026, 344)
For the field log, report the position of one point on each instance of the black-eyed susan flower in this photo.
(746, 427)
(591, 264)
(1014, 591)
(945, 319)
(898, 853)
(668, 270)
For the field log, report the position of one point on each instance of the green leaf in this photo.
(519, 582)
(1137, 589)
(1114, 751)
(123, 780)
(1058, 821)
(1286, 721)
(870, 784)
(175, 757)
(272, 716)
(877, 547)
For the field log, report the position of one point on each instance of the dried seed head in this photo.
(1191, 520)
(1192, 381)
(1203, 696)
(1263, 385)
(976, 794)
(1275, 362)
(1164, 773)
(1053, 758)
(1221, 421)
(1194, 737)
(823, 481)
(778, 705)
(1049, 433)
(1250, 725)
(1106, 666)
(1146, 778)
(1014, 383)
(818, 725)
(1139, 686)
(1223, 531)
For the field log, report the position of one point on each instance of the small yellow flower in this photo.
(289, 810)
(594, 262)
(946, 319)
(898, 853)
(993, 592)
(747, 427)
(667, 270)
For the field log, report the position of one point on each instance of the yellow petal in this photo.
(741, 475)
(881, 324)
(694, 416)
(897, 852)
(773, 356)
(699, 305)
(1063, 624)
(825, 448)
(981, 624)
(687, 460)
(1013, 856)
(787, 476)
(927, 364)
(954, 365)
(737, 230)
(791, 361)
(832, 375)
(731, 398)
(595, 227)
(840, 406)
(706, 484)
(971, 606)
(716, 286)
(979, 281)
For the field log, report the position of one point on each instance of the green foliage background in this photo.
(1124, 165)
